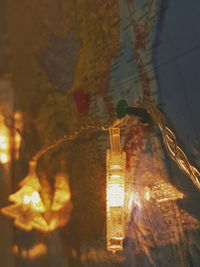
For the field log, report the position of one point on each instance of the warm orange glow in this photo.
(4, 158)
(163, 191)
(28, 220)
(115, 192)
(4, 142)
(29, 210)
(35, 252)
(35, 201)
(61, 204)
(25, 218)
(15, 249)
(62, 192)
(147, 193)
(24, 253)
(18, 117)
(18, 123)
(28, 195)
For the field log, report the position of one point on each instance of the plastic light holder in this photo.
(115, 192)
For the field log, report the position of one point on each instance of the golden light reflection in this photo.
(4, 142)
(62, 192)
(163, 191)
(159, 221)
(115, 192)
(61, 204)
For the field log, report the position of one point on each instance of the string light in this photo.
(28, 208)
(115, 191)
(170, 141)
(30, 212)
(149, 112)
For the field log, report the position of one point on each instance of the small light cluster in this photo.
(29, 210)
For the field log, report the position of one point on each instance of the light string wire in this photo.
(56, 143)
(170, 142)
(169, 138)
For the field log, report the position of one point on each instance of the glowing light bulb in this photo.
(4, 142)
(115, 192)
(35, 201)
(29, 210)
(4, 158)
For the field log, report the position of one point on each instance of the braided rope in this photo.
(170, 142)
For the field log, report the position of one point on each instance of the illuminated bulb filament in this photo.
(115, 193)
(35, 201)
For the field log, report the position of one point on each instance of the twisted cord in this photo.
(170, 142)
(74, 135)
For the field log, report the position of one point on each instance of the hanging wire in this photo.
(65, 138)
(170, 142)
(169, 138)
